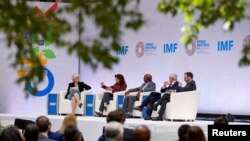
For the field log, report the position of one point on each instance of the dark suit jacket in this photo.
(44, 138)
(190, 86)
(172, 87)
(128, 135)
(150, 87)
(81, 87)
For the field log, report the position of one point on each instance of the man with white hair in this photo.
(172, 84)
(113, 131)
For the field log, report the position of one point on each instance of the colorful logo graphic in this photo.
(44, 53)
(139, 49)
(190, 50)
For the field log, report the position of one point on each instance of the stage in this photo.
(91, 127)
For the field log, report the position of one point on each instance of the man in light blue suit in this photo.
(129, 101)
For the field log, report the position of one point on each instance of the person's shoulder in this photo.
(152, 82)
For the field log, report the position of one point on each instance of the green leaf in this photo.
(36, 49)
(48, 42)
(49, 54)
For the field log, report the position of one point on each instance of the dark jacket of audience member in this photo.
(119, 116)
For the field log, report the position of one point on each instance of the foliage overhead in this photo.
(199, 14)
(23, 27)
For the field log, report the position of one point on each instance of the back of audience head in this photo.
(71, 133)
(182, 132)
(69, 119)
(42, 124)
(221, 121)
(117, 115)
(142, 133)
(195, 133)
(114, 131)
(11, 133)
(31, 133)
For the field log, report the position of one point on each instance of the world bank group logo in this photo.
(190, 50)
(145, 49)
(41, 47)
(139, 49)
(202, 46)
(246, 41)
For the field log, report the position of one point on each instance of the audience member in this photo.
(195, 133)
(129, 101)
(31, 132)
(142, 133)
(221, 121)
(43, 123)
(71, 133)
(119, 116)
(11, 133)
(113, 131)
(182, 132)
(68, 120)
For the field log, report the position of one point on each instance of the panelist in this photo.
(172, 84)
(129, 101)
(74, 92)
(120, 85)
(190, 86)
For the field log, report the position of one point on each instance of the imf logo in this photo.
(225, 45)
(123, 50)
(89, 105)
(52, 103)
(169, 47)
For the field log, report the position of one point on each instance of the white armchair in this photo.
(137, 113)
(64, 105)
(113, 104)
(183, 106)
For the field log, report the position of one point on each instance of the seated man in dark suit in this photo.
(190, 86)
(154, 96)
(129, 101)
(119, 116)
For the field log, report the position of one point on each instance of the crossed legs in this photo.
(75, 101)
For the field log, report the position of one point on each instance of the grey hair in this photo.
(74, 76)
(113, 131)
(173, 75)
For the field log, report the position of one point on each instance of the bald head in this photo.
(142, 133)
